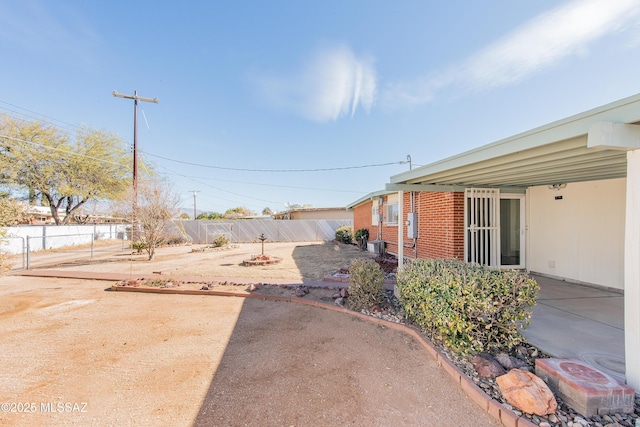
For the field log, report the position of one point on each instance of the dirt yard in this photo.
(300, 261)
(73, 353)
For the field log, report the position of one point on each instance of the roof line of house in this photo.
(370, 196)
(626, 110)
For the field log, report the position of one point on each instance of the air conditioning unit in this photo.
(376, 246)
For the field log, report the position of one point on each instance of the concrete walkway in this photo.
(585, 322)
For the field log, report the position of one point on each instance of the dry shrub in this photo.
(366, 284)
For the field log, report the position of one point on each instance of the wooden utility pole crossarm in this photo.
(135, 98)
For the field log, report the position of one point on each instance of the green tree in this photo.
(238, 212)
(210, 215)
(66, 171)
(267, 211)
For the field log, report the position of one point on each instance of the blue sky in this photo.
(250, 89)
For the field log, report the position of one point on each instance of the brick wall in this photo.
(362, 219)
(440, 225)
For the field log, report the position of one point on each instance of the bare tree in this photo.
(155, 206)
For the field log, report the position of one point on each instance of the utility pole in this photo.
(194, 203)
(135, 98)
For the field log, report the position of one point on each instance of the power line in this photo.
(277, 170)
(71, 154)
(75, 127)
(78, 128)
(262, 184)
(235, 194)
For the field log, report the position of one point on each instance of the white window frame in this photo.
(391, 210)
(375, 216)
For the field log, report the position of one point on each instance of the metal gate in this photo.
(482, 226)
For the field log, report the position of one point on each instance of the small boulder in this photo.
(521, 352)
(339, 302)
(510, 362)
(344, 293)
(487, 366)
(527, 392)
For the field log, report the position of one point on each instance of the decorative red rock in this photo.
(487, 367)
(527, 392)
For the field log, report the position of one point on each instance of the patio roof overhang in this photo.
(585, 147)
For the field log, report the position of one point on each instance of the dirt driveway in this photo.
(74, 354)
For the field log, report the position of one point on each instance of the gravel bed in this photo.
(563, 417)
(391, 310)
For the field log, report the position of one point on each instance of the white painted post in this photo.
(632, 272)
(400, 230)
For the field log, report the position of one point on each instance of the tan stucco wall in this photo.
(581, 236)
(324, 214)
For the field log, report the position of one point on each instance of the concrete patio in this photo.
(586, 322)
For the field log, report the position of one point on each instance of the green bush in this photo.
(366, 284)
(139, 246)
(344, 234)
(220, 241)
(176, 240)
(470, 308)
(362, 233)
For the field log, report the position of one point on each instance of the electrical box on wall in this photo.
(412, 225)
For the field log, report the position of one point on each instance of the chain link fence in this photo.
(46, 246)
(247, 231)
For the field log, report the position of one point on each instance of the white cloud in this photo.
(332, 85)
(537, 45)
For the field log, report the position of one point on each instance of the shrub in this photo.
(470, 308)
(344, 234)
(220, 241)
(362, 233)
(366, 284)
(5, 258)
(139, 246)
(176, 240)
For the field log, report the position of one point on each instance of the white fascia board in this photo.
(626, 110)
(435, 188)
(368, 197)
(613, 136)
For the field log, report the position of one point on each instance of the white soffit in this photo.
(560, 152)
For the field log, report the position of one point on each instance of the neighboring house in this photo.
(41, 215)
(315, 213)
(562, 200)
